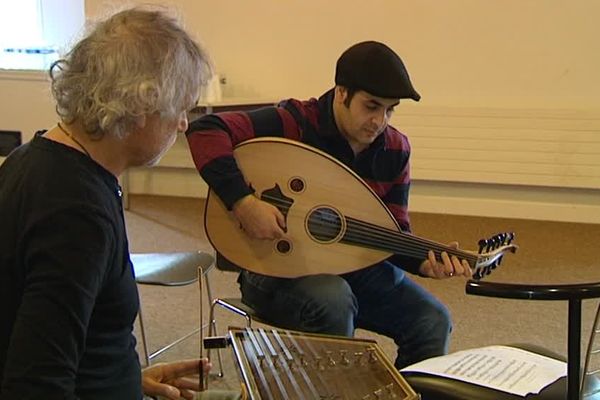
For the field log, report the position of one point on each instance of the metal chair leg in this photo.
(205, 282)
(212, 331)
(213, 323)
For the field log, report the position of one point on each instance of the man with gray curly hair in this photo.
(68, 298)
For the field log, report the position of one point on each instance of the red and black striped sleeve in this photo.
(394, 191)
(213, 137)
(389, 176)
(396, 198)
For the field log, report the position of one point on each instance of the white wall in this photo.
(510, 53)
(26, 103)
(509, 69)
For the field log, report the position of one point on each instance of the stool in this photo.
(439, 388)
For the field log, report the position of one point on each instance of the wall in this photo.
(26, 103)
(509, 123)
(513, 53)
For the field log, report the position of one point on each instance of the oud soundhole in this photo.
(325, 224)
(283, 246)
(297, 185)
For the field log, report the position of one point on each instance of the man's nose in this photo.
(380, 118)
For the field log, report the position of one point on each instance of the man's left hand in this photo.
(447, 267)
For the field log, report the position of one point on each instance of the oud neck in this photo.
(372, 236)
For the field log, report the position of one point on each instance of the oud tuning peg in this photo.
(502, 238)
(482, 244)
(511, 237)
(490, 244)
(494, 264)
(497, 241)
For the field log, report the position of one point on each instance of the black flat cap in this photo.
(375, 68)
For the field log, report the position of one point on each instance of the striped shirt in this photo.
(384, 165)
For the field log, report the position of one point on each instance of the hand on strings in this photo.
(447, 267)
(173, 380)
(259, 219)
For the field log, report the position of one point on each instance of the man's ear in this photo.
(140, 122)
(340, 94)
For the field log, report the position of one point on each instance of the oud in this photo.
(335, 222)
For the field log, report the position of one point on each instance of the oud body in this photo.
(308, 180)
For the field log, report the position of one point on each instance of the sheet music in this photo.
(504, 368)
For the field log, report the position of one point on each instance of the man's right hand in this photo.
(259, 219)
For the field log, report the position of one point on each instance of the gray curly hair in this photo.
(137, 62)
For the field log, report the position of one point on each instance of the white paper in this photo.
(502, 368)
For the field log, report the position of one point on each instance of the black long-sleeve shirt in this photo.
(68, 298)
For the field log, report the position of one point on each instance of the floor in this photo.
(549, 253)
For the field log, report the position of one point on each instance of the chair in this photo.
(168, 269)
(439, 388)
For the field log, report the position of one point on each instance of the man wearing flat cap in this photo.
(349, 122)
